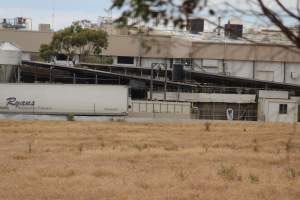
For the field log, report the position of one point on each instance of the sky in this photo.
(67, 11)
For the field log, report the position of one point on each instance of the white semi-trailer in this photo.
(64, 99)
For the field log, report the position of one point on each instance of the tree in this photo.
(276, 19)
(46, 52)
(177, 12)
(78, 39)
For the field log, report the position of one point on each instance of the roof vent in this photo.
(234, 29)
(195, 25)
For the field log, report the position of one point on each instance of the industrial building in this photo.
(228, 75)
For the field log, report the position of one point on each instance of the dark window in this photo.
(125, 60)
(61, 57)
(183, 61)
(282, 108)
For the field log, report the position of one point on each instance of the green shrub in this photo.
(229, 173)
(70, 117)
(207, 126)
(291, 173)
(253, 178)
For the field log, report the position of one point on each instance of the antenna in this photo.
(109, 13)
(219, 25)
(53, 14)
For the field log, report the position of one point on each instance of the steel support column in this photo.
(74, 78)
(166, 77)
(18, 74)
(96, 79)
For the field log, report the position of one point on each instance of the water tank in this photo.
(178, 72)
(10, 56)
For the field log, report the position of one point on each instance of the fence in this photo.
(160, 107)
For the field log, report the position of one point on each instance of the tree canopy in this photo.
(78, 39)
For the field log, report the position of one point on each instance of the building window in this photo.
(62, 57)
(210, 63)
(183, 61)
(283, 109)
(125, 60)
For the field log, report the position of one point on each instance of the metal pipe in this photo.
(151, 81)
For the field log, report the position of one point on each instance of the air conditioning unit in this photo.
(294, 75)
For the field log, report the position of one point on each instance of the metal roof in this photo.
(93, 71)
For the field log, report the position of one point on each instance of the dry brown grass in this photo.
(122, 161)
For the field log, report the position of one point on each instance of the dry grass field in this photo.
(120, 161)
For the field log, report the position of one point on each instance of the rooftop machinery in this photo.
(17, 23)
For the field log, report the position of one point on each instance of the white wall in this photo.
(239, 68)
(268, 110)
(274, 116)
(269, 71)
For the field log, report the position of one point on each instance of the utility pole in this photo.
(53, 14)
(166, 77)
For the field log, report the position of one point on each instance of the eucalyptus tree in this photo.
(77, 39)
